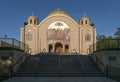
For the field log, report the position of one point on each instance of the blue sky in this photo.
(104, 13)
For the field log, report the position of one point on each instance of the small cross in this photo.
(58, 8)
(32, 14)
(84, 14)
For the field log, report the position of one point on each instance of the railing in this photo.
(99, 63)
(105, 44)
(38, 62)
(81, 64)
(18, 63)
(59, 66)
(11, 43)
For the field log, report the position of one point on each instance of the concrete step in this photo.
(62, 74)
(59, 65)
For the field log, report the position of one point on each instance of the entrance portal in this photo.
(66, 48)
(50, 48)
(58, 48)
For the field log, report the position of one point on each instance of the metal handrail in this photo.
(37, 64)
(13, 65)
(13, 43)
(82, 66)
(59, 66)
(103, 65)
(99, 60)
(105, 44)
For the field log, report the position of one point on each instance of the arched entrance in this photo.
(50, 48)
(66, 48)
(58, 48)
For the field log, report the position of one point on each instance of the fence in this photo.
(13, 44)
(99, 63)
(105, 44)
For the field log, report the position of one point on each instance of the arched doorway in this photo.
(66, 48)
(50, 48)
(58, 48)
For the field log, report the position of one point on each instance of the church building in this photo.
(58, 33)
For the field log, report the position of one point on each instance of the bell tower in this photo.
(32, 20)
(84, 21)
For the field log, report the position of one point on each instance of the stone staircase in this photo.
(59, 65)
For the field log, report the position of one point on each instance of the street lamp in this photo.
(5, 40)
(25, 23)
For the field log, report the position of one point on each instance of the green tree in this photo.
(100, 37)
(117, 34)
(109, 37)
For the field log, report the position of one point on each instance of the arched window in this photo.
(81, 22)
(86, 22)
(30, 21)
(29, 37)
(35, 21)
(87, 37)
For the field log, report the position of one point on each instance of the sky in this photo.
(105, 14)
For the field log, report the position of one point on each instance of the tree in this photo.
(117, 34)
(100, 37)
(109, 37)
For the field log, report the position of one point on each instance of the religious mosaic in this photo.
(58, 31)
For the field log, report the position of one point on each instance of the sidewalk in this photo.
(59, 79)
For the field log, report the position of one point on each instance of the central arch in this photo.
(50, 48)
(62, 30)
(58, 47)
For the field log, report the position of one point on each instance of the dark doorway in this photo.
(66, 48)
(50, 48)
(58, 48)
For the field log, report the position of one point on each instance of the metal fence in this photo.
(105, 44)
(12, 43)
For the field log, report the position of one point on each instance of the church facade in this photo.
(58, 33)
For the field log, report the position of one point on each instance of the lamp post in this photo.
(25, 23)
(5, 40)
